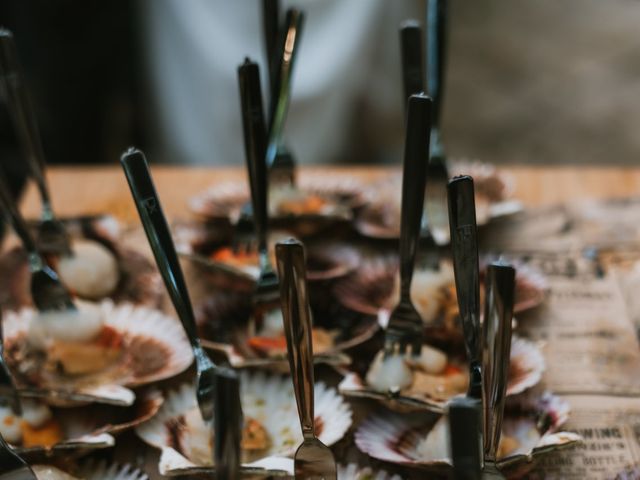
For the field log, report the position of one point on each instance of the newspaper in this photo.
(610, 427)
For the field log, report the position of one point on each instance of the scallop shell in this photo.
(103, 471)
(526, 369)
(139, 282)
(355, 472)
(266, 398)
(223, 325)
(155, 348)
(197, 242)
(93, 427)
(225, 200)
(370, 289)
(381, 218)
(629, 473)
(395, 438)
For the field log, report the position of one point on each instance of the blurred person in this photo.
(346, 103)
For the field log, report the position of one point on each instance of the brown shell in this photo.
(381, 219)
(197, 242)
(224, 201)
(140, 282)
(223, 321)
(525, 371)
(394, 438)
(154, 348)
(369, 289)
(93, 426)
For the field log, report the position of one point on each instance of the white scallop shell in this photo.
(526, 359)
(395, 438)
(355, 472)
(225, 200)
(268, 399)
(133, 322)
(94, 427)
(103, 471)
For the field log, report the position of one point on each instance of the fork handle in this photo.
(288, 52)
(21, 111)
(498, 314)
(297, 327)
(17, 221)
(436, 54)
(414, 178)
(155, 226)
(412, 64)
(271, 25)
(227, 424)
(255, 145)
(464, 243)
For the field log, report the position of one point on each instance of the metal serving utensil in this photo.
(498, 314)
(52, 234)
(435, 216)
(227, 424)
(413, 83)
(405, 324)
(155, 226)
(465, 423)
(266, 291)
(464, 244)
(8, 390)
(47, 290)
(12, 467)
(280, 161)
(313, 459)
(271, 30)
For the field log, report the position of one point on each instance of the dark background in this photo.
(529, 81)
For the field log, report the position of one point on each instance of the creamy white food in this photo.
(45, 472)
(197, 440)
(396, 372)
(436, 445)
(69, 326)
(426, 290)
(33, 413)
(91, 272)
(389, 372)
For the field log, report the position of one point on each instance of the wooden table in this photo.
(89, 190)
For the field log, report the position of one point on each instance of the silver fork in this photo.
(244, 235)
(313, 459)
(8, 390)
(279, 159)
(405, 324)
(52, 234)
(435, 211)
(266, 291)
(465, 425)
(464, 244)
(47, 291)
(155, 226)
(12, 467)
(498, 314)
(227, 425)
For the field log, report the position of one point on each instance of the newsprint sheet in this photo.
(588, 329)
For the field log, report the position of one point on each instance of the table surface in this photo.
(90, 190)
